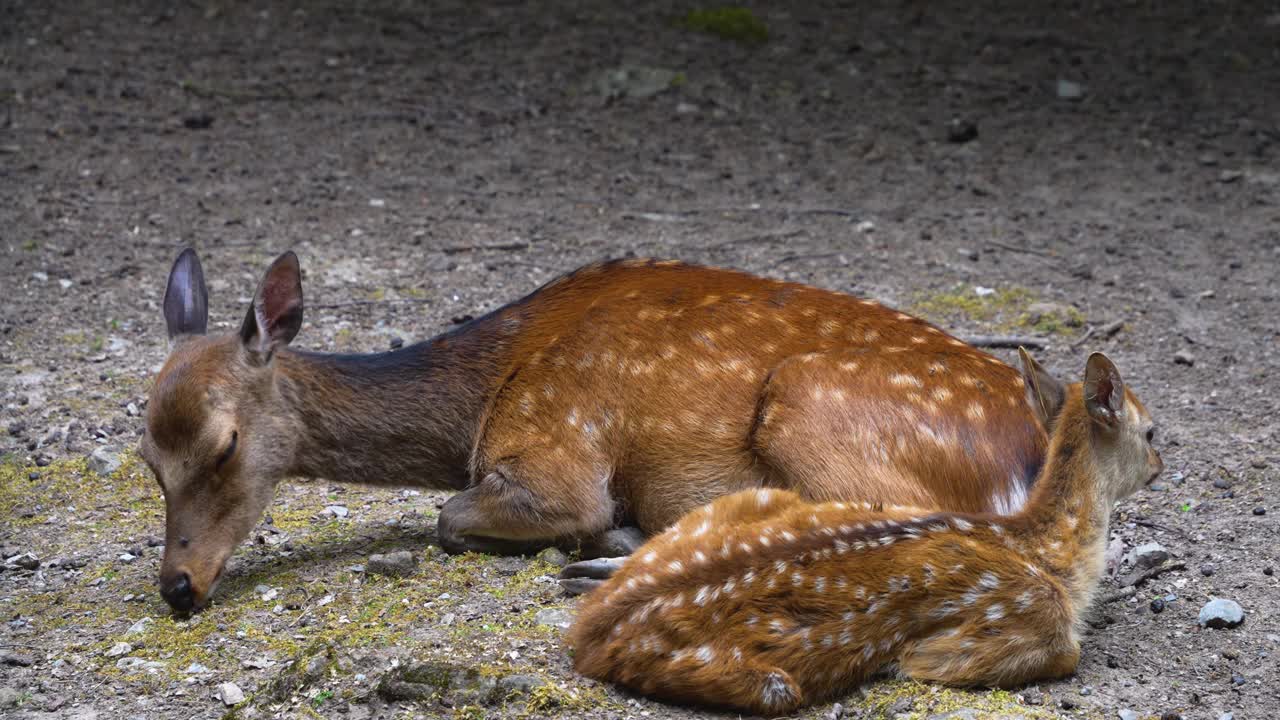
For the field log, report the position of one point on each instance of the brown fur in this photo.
(628, 392)
(763, 601)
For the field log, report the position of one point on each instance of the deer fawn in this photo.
(762, 601)
(599, 409)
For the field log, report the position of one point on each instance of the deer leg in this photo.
(526, 503)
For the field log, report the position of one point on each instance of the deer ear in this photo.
(186, 299)
(275, 315)
(1045, 394)
(1103, 391)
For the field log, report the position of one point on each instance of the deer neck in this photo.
(405, 417)
(1066, 522)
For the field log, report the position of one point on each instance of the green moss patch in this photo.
(730, 23)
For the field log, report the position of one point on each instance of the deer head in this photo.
(218, 434)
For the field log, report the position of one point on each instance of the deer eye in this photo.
(226, 454)
(1151, 434)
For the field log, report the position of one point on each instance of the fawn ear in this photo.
(1045, 394)
(275, 315)
(1103, 391)
(186, 299)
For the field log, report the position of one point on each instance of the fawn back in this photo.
(763, 601)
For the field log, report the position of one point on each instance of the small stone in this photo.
(1149, 555)
(960, 130)
(1219, 613)
(1229, 176)
(26, 561)
(120, 648)
(397, 564)
(1222, 483)
(16, 659)
(1127, 714)
(1226, 716)
(1157, 605)
(338, 511)
(127, 557)
(1260, 510)
(901, 706)
(519, 684)
(1268, 571)
(230, 694)
(1068, 90)
(553, 556)
(104, 461)
(1207, 569)
(1033, 696)
(555, 617)
(1259, 463)
(1087, 690)
(1237, 679)
(132, 410)
(195, 669)
(447, 619)
(865, 227)
(836, 712)
(397, 342)
(139, 627)
(1182, 357)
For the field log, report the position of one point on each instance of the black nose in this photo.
(177, 593)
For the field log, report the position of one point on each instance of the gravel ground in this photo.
(1088, 164)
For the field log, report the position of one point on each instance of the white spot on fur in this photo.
(905, 380)
(995, 612)
(961, 524)
(989, 581)
(705, 654)
(675, 566)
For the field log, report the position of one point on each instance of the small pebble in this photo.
(1222, 483)
(1259, 510)
(1182, 357)
(1237, 679)
(1157, 605)
(1220, 613)
(1207, 569)
(230, 694)
(960, 130)
(397, 342)
(1268, 571)
(1127, 714)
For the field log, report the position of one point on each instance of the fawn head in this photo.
(218, 437)
(1121, 429)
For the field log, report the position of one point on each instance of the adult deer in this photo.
(763, 602)
(598, 409)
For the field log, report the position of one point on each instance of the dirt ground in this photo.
(430, 161)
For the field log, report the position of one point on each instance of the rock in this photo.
(1222, 483)
(11, 697)
(26, 561)
(1068, 90)
(632, 81)
(1127, 715)
(1149, 555)
(448, 684)
(1260, 510)
(337, 511)
(137, 664)
(1033, 696)
(836, 712)
(397, 342)
(519, 685)
(1182, 357)
(1258, 463)
(901, 706)
(1207, 569)
(195, 669)
(230, 694)
(104, 461)
(1157, 605)
(555, 617)
(139, 627)
(120, 648)
(554, 556)
(960, 130)
(397, 564)
(1219, 613)
(16, 659)
(1229, 176)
